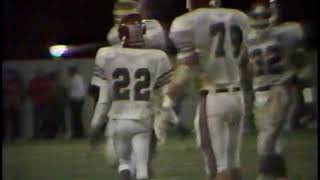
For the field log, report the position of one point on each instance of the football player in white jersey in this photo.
(210, 43)
(130, 77)
(154, 38)
(271, 50)
(155, 35)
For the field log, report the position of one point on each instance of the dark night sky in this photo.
(31, 26)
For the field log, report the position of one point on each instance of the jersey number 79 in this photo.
(236, 38)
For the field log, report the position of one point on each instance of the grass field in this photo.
(177, 160)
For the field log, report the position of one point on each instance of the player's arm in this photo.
(291, 36)
(103, 102)
(187, 66)
(246, 84)
(299, 60)
(163, 115)
(93, 91)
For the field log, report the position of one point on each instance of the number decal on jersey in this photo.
(118, 86)
(122, 77)
(140, 89)
(256, 55)
(236, 38)
(216, 29)
(274, 53)
(268, 64)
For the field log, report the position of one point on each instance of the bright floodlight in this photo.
(58, 50)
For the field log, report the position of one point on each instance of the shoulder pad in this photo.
(288, 30)
(103, 54)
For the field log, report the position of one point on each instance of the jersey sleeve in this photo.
(155, 35)
(99, 75)
(290, 34)
(113, 37)
(164, 72)
(181, 33)
(243, 22)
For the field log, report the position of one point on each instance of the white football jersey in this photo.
(132, 76)
(154, 37)
(216, 35)
(270, 52)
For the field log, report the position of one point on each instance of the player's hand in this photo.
(94, 135)
(167, 102)
(173, 117)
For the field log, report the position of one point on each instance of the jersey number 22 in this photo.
(120, 86)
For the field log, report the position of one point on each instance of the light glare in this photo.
(58, 50)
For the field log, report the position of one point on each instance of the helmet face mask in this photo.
(260, 17)
(131, 31)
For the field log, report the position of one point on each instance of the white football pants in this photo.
(272, 111)
(131, 138)
(225, 125)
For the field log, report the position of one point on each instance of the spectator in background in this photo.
(38, 90)
(13, 93)
(56, 102)
(77, 92)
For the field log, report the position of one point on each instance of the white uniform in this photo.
(270, 54)
(132, 76)
(214, 38)
(154, 37)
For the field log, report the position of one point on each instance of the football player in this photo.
(130, 78)
(210, 43)
(271, 49)
(154, 38)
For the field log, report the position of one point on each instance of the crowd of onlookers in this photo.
(54, 93)
(50, 96)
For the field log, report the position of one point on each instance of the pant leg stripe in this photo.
(205, 140)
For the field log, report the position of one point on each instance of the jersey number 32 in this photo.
(140, 87)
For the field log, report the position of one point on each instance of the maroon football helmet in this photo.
(131, 30)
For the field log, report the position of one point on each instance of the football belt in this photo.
(221, 90)
(263, 88)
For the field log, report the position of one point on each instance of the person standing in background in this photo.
(57, 104)
(77, 92)
(13, 93)
(38, 90)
